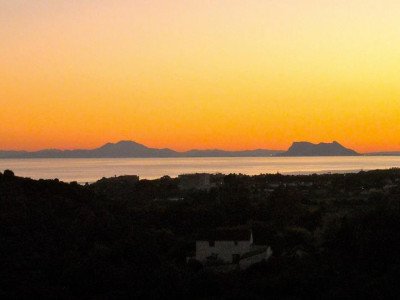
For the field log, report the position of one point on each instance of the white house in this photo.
(231, 246)
(224, 245)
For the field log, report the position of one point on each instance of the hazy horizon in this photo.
(182, 151)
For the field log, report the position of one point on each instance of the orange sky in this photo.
(186, 74)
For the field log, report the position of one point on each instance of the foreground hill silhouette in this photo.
(321, 149)
(334, 236)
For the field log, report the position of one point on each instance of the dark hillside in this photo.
(61, 240)
(333, 236)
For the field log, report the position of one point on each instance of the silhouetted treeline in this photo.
(334, 236)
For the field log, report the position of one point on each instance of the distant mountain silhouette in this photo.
(130, 149)
(124, 149)
(321, 149)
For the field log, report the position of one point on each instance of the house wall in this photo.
(223, 249)
(248, 261)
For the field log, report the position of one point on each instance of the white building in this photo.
(224, 245)
(231, 246)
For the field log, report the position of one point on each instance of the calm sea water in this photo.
(90, 170)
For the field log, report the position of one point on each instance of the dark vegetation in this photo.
(120, 238)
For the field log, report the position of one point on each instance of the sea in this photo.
(88, 170)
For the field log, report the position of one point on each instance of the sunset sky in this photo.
(200, 74)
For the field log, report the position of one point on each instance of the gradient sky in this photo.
(201, 74)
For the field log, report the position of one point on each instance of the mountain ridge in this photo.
(131, 149)
(321, 149)
(126, 149)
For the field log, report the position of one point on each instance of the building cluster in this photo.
(197, 181)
